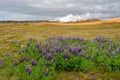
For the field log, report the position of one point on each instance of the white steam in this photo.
(74, 18)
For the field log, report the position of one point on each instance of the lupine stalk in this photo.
(29, 70)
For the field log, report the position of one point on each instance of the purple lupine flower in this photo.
(34, 63)
(47, 73)
(70, 49)
(118, 50)
(108, 41)
(61, 38)
(101, 47)
(46, 64)
(58, 49)
(28, 44)
(66, 46)
(73, 50)
(39, 50)
(85, 47)
(15, 63)
(44, 53)
(1, 61)
(100, 39)
(66, 38)
(67, 55)
(78, 50)
(83, 53)
(38, 45)
(49, 57)
(53, 38)
(92, 57)
(21, 60)
(29, 70)
(48, 49)
(81, 39)
(76, 38)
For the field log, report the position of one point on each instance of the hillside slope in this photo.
(94, 22)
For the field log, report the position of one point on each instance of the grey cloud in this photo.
(50, 9)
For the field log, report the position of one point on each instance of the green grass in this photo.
(61, 57)
(41, 31)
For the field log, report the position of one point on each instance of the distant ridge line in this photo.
(90, 21)
(9, 21)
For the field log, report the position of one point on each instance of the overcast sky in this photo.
(52, 9)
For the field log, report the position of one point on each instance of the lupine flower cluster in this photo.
(1, 62)
(34, 63)
(47, 73)
(29, 71)
(66, 53)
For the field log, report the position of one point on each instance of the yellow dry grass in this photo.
(23, 31)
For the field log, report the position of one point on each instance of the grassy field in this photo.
(41, 31)
(23, 31)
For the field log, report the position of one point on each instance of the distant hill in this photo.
(90, 22)
(83, 22)
(112, 20)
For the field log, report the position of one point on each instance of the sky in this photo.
(62, 10)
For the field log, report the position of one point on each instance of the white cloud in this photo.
(74, 18)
